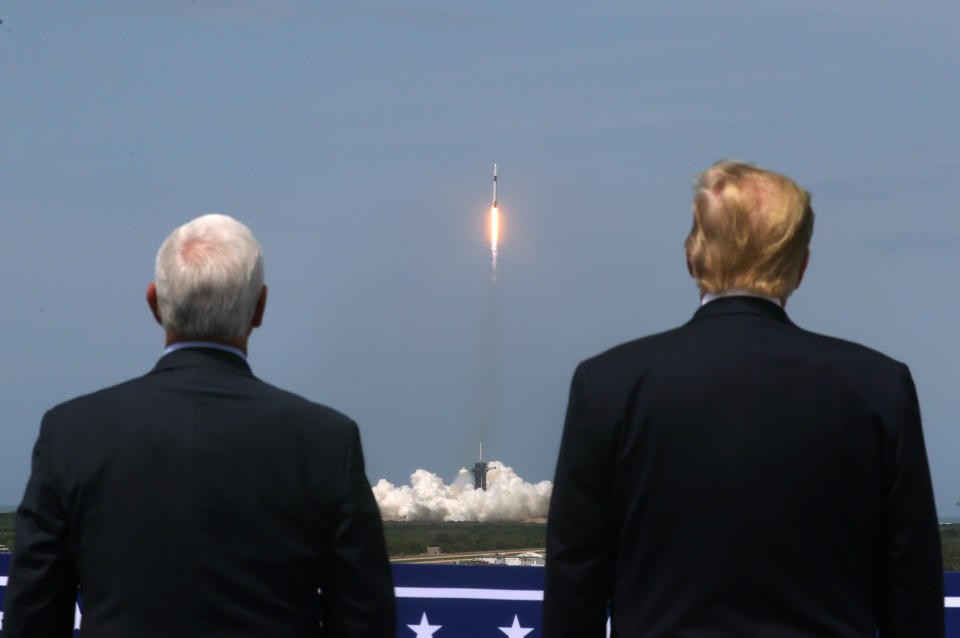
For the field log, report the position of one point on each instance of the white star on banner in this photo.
(516, 631)
(424, 629)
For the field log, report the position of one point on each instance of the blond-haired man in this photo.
(740, 476)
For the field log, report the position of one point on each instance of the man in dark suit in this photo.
(198, 500)
(739, 476)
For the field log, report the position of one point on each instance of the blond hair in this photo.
(751, 230)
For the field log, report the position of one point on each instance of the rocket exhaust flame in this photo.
(494, 228)
(494, 239)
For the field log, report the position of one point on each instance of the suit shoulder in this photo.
(85, 403)
(318, 412)
(129, 397)
(632, 351)
(838, 349)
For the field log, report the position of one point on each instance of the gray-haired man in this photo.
(198, 500)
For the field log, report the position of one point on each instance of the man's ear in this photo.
(152, 302)
(261, 305)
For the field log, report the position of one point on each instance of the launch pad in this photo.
(480, 469)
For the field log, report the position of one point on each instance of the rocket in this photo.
(494, 228)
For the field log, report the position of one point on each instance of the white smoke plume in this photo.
(507, 498)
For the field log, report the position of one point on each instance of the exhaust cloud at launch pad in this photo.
(507, 497)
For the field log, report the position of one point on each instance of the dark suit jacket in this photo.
(741, 477)
(198, 501)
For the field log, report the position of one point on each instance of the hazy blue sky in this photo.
(356, 140)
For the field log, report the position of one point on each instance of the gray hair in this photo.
(209, 275)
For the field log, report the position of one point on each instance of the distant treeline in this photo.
(6, 528)
(950, 541)
(405, 538)
(413, 537)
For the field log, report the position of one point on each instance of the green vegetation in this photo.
(6, 529)
(405, 538)
(413, 537)
(950, 541)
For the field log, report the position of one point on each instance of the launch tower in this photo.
(480, 470)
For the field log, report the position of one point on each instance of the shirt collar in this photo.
(173, 347)
(713, 296)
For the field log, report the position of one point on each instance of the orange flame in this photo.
(494, 237)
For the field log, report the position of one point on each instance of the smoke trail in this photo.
(507, 497)
(485, 413)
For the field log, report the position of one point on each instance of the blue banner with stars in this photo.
(491, 601)
(441, 601)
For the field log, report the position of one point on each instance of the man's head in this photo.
(751, 231)
(209, 282)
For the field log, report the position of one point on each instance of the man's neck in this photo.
(237, 343)
(707, 297)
